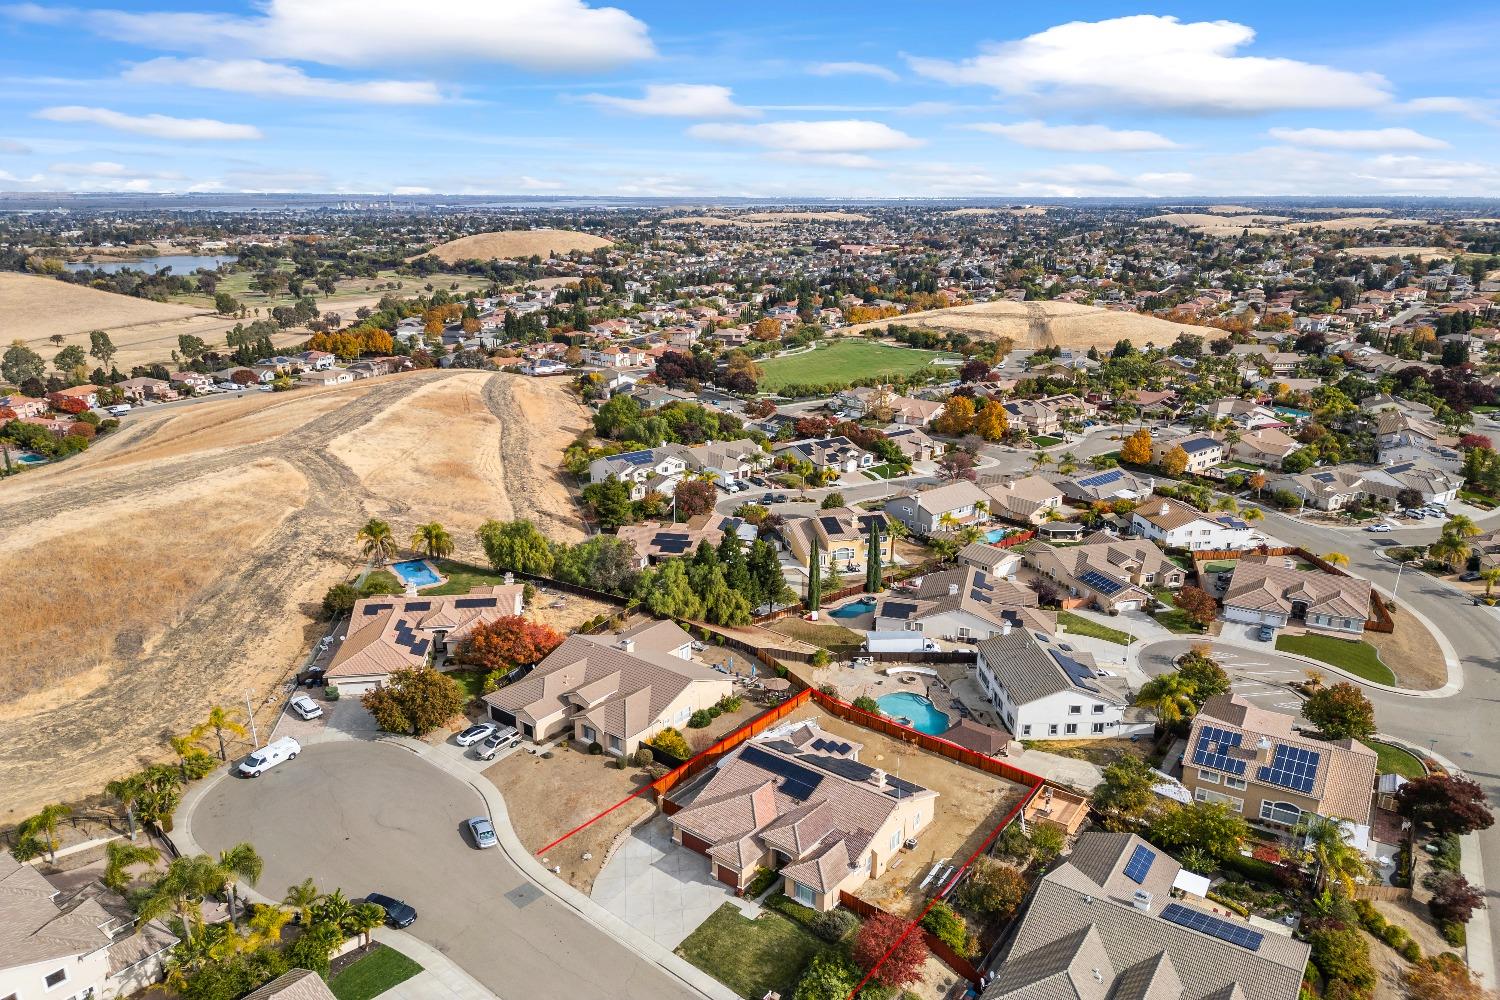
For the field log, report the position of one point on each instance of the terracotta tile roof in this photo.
(1267, 583)
(34, 928)
(389, 633)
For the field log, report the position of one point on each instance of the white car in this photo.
(305, 707)
(269, 756)
(474, 734)
(119, 409)
(1379, 527)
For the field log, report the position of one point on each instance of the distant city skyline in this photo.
(662, 99)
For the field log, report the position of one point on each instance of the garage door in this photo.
(727, 876)
(1129, 606)
(693, 843)
(503, 717)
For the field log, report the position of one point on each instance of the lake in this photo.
(179, 263)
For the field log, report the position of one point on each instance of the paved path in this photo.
(369, 816)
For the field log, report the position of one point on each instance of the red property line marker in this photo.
(590, 822)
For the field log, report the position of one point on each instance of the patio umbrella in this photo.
(777, 684)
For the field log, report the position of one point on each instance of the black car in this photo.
(397, 913)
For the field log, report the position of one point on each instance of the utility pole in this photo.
(250, 714)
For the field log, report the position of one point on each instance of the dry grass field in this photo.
(1023, 210)
(805, 217)
(712, 221)
(34, 308)
(1381, 253)
(180, 563)
(518, 243)
(1268, 225)
(1045, 324)
(1351, 222)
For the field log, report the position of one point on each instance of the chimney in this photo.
(628, 645)
(1263, 750)
(1141, 900)
(952, 590)
(1165, 507)
(510, 578)
(1005, 628)
(877, 778)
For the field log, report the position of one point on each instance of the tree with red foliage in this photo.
(84, 430)
(879, 935)
(70, 404)
(1453, 900)
(958, 464)
(1445, 803)
(974, 371)
(694, 497)
(506, 643)
(1475, 441)
(811, 427)
(1198, 605)
(6, 413)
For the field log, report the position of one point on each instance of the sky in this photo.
(773, 99)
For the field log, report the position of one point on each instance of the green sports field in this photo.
(841, 362)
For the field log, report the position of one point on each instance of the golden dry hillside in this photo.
(1047, 324)
(516, 243)
(180, 563)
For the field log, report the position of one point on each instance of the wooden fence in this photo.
(938, 947)
(706, 758)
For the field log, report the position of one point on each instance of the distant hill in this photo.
(515, 244)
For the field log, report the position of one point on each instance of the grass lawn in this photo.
(385, 578)
(884, 471)
(819, 633)
(751, 957)
(472, 681)
(373, 975)
(1079, 625)
(462, 578)
(1356, 656)
(841, 362)
(1174, 619)
(1220, 566)
(1396, 760)
(1046, 440)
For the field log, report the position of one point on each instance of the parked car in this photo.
(1379, 527)
(305, 707)
(313, 678)
(119, 409)
(269, 756)
(474, 734)
(482, 832)
(491, 744)
(1469, 577)
(1266, 633)
(397, 913)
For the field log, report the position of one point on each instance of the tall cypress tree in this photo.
(873, 582)
(814, 578)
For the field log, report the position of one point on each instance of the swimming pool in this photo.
(30, 458)
(995, 534)
(416, 573)
(915, 711)
(854, 609)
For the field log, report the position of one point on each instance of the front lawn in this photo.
(1174, 619)
(462, 578)
(841, 362)
(373, 975)
(1356, 656)
(1396, 760)
(1079, 625)
(884, 471)
(751, 957)
(1046, 440)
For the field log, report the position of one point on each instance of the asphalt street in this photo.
(374, 817)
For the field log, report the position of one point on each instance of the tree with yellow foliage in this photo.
(1174, 461)
(1137, 448)
(992, 422)
(957, 418)
(766, 328)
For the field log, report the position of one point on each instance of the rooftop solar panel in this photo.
(1207, 923)
(1323, 477)
(1213, 750)
(1079, 674)
(831, 746)
(1102, 583)
(476, 602)
(1139, 865)
(418, 605)
(1292, 767)
(898, 609)
(636, 457)
(375, 609)
(831, 525)
(1403, 467)
(797, 780)
(1102, 479)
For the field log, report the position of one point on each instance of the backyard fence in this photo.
(704, 759)
(938, 947)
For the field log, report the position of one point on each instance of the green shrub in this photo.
(1454, 933)
(1449, 853)
(829, 689)
(331, 692)
(761, 882)
(199, 765)
(948, 927)
(1411, 951)
(867, 704)
(596, 748)
(1341, 955)
(791, 909)
(642, 757)
(834, 925)
(673, 742)
(700, 719)
(714, 711)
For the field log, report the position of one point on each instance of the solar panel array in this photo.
(636, 458)
(797, 781)
(1077, 672)
(831, 525)
(406, 637)
(418, 605)
(831, 746)
(1323, 477)
(671, 542)
(375, 609)
(1139, 865)
(476, 602)
(1102, 583)
(1207, 923)
(898, 609)
(1102, 479)
(1213, 749)
(1292, 767)
(1403, 467)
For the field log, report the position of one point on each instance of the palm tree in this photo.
(1067, 462)
(184, 747)
(947, 521)
(161, 791)
(334, 908)
(127, 791)
(239, 863)
(379, 542)
(121, 858)
(1489, 576)
(1461, 526)
(896, 530)
(982, 508)
(366, 917)
(181, 891)
(222, 720)
(1337, 861)
(1449, 549)
(969, 534)
(1252, 514)
(302, 897)
(265, 926)
(1169, 696)
(433, 539)
(43, 827)
(1335, 559)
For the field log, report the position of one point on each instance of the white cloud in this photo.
(1156, 62)
(411, 189)
(538, 184)
(850, 135)
(1077, 138)
(853, 69)
(1480, 111)
(157, 126)
(536, 34)
(677, 100)
(849, 161)
(1363, 139)
(1422, 168)
(268, 79)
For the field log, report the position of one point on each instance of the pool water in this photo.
(854, 609)
(31, 459)
(416, 572)
(922, 714)
(995, 534)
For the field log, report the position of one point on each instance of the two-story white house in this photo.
(1044, 689)
(942, 509)
(649, 469)
(1175, 525)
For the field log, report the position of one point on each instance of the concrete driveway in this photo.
(367, 816)
(660, 889)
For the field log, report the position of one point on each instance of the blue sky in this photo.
(771, 99)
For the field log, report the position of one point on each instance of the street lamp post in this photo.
(1403, 564)
(250, 714)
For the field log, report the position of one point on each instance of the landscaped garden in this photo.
(371, 975)
(1356, 656)
(462, 578)
(841, 362)
(752, 957)
(1396, 760)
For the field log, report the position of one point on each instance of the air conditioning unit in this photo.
(1141, 900)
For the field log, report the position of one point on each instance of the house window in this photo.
(1204, 795)
(1097, 728)
(1052, 729)
(895, 840)
(1098, 709)
(615, 744)
(56, 978)
(1025, 730)
(1230, 781)
(1071, 729)
(1212, 777)
(1075, 709)
(963, 631)
(803, 894)
(590, 735)
(1286, 813)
